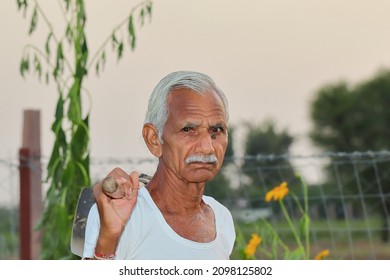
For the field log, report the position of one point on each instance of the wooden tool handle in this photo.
(111, 188)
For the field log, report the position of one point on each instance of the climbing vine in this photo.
(64, 59)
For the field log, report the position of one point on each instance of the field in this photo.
(356, 239)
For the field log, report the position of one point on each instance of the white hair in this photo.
(157, 113)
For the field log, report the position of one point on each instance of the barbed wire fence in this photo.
(349, 197)
(9, 201)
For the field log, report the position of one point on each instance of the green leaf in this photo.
(68, 175)
(54, 163)
(100, 63)
(79, 143)
(85, 174)
(74, 110)
(117, 45)
(274, 246)
(114, 40)
(149, 9)
(304, 224)
(22, 4)
(63, 198)
(97, 68)
(59, 67)
(34, 19)
(59, 113)
(81, 64)
(103, 60)
(142, 17)
(57, 125)
(67, 3)
(38, 66)
(131, 32)
(81, 17)
(47, 44)
(24, 65)
(60, 144)
(57, 158)
(120, 50)
(69, 33)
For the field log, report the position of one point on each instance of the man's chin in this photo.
(201, 175)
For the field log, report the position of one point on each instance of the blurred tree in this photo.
(266, 162)
(68, 66)
(348, 119)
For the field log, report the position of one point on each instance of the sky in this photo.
(269, 57)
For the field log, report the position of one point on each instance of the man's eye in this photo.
(217, 129)
(187, 129)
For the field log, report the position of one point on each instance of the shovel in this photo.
(84, 204)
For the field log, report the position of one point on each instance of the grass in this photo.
(352, 239)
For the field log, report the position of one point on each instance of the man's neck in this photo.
(175, 195)
(183, 209)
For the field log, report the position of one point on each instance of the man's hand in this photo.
(115, 212)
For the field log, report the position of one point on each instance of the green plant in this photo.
(68, 167)
(267, 241)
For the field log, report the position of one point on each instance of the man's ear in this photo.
(150, 134)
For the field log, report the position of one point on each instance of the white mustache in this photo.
(201, 158)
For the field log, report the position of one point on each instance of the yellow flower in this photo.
(321, 255)
(253, 243)
(277, 193)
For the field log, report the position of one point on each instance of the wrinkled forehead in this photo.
(186, 93)
(207, 103)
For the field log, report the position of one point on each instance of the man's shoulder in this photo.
(215, 204)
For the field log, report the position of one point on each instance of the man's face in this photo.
(196, 125)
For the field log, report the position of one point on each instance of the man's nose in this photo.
(205, 143)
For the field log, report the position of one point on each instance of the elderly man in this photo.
(170, 218)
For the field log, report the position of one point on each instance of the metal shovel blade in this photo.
(84, 204)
